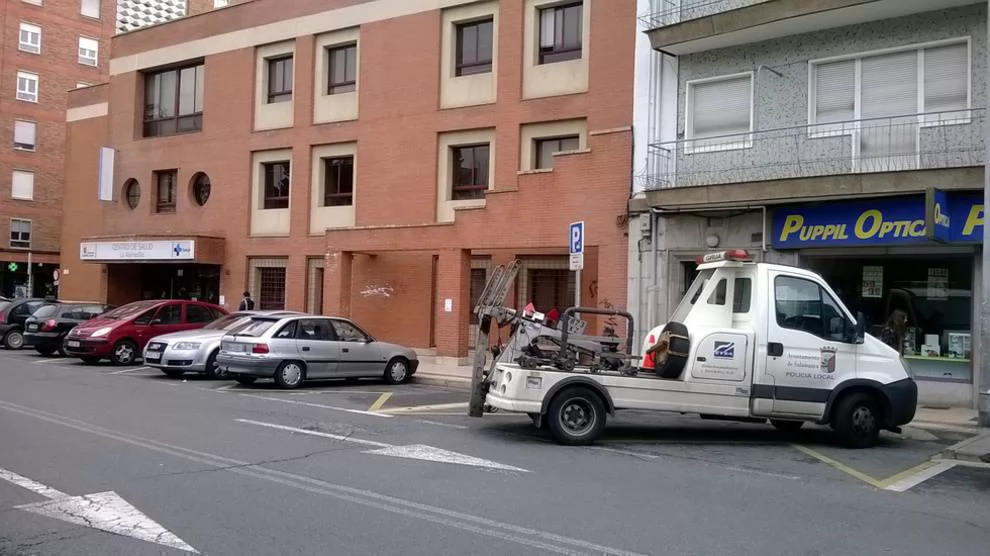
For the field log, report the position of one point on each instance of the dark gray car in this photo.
(293, 349)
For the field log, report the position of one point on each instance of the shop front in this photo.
(155, 268)
(917, 254)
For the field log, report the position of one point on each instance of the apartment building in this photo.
(49, 47)
(135, 14)
(371, 159)
(845, 136)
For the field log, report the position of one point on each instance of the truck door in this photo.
(811, 346)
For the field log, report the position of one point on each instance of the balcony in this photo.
(681, 27)
(932, 141)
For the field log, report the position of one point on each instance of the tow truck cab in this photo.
(748, 341)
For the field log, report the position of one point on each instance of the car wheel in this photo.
(13, 340)
(124, 353)
(213, 370)
(856, 421)
(245, 380)
(397, 371)
(290, 374)
(46, 352)
(576, 416)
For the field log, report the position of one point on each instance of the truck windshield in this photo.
(684, 307)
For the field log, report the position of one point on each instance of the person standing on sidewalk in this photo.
(247, 304)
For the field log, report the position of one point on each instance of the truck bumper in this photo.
(507, 404)
(903, 398)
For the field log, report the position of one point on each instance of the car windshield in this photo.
(127, 311)
(228, 322)
(46, 311)
(255, 328)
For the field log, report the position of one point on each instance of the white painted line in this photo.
(439, 424)
(105, 511)
(122, 371)
(434, 407)
(922, 476)
(226, 387)
(47, 361)
(321, 406)
(338, 437)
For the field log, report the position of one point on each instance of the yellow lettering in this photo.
(875, 217)
(830, 231)
(817, 231)
(806, 233)
(885, 228)
(917, 228)
(974, 219)
(792, 224)
(842, 232)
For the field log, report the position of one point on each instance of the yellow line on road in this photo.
(878, 483)
(380, 401)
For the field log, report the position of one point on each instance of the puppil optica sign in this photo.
(936, 216)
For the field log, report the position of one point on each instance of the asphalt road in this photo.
(366, 468)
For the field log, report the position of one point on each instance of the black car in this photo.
(45, 330)
(12, 317)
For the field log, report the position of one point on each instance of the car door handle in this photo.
(775, 349)
(346, 350)
(305, 348)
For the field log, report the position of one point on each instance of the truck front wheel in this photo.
(856, 420)
(576, 416)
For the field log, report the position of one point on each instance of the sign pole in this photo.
(982, 382)
(30, 271)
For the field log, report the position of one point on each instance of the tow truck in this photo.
(749, 341)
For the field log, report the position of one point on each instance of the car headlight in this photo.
(99, 333)
(187, 346)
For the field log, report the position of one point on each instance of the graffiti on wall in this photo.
(377, 290)
(604, 303)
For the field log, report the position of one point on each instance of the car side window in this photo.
(287, 331)
(804, 305)
(170, 314)
(313, 329)
(145, 317)
(197, 314)
(347, 332)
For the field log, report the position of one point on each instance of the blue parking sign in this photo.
(577, 238)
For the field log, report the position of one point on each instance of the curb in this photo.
(957, 450)
(446, 381)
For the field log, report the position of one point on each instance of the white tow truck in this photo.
(749, 342)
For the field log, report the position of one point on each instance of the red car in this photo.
(121, 334)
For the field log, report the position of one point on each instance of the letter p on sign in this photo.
(577, 238)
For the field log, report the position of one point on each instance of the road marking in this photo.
(412, 451)
(439, 424)
(419, 408)
(380, 401)
(899, 482)
(105, 511)
(51, 361)
(122, 371)
(449, 518)
(322, 406)
(726, 467)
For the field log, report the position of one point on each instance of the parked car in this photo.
(196, 350)
(46, 328)
(12, 317)
(120, 335)
(296, 348)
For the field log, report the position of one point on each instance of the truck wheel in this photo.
(787, 427)
(670, 353)
(856, 421)
(576, 416)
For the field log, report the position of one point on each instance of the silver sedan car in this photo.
(296, 348)
(195, 351)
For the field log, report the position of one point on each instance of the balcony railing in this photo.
(915, 142)
(672, 12)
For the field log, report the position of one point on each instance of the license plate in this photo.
(233, 347)
(72, 344)
(32, 327)
(153, 358)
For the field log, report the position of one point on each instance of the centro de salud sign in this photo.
(938, 216)
(179, 250)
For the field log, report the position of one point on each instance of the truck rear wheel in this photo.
(576, 416)
(670, 353)
(856, 420)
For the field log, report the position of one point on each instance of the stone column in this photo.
(453, 284)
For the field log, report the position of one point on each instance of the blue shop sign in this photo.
(936, 216)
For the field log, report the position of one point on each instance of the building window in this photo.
(720, 110)
(20, 233)
(22, 185)
(280, 79)
(83, 84)
(546, 147)
(29, 39)
(276, 176)
(474, 47)
(271, 288)
(201, 188)
(220, 4)
(132, 193)
(470, 172)
(165, 187)
(27, 86)
(25, 135)
(561, 33)
(90, 8)
(343, 69)
(89, 51)
(338, 181)
(173, 101)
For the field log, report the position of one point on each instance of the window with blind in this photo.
(932, 80)
(720, 113)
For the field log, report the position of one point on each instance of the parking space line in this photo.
(380, 401)
(898, 484)
(59, 361)
(431, 407)
(321, 406)
(839, 465)
(122, 371)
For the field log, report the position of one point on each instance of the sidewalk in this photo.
(450, 376)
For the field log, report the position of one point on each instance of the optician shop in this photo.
(917, 253)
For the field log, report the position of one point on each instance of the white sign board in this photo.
(179, 250)
(105, 173)
(577, 261)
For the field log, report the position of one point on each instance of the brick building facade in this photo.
(371, 159)
(49, 48)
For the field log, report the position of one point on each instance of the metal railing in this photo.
(932, 140)
(672, 12)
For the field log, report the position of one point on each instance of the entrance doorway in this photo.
(162, 281)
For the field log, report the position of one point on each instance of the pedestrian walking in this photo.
(247, 304)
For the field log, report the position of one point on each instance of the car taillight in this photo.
(648, 362)
(259, 348)
(3, 317)
(48, 325)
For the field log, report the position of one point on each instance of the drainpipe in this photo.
(982, 381)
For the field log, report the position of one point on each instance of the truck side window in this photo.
(718, 296)
(803, 305)
(742, 296)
